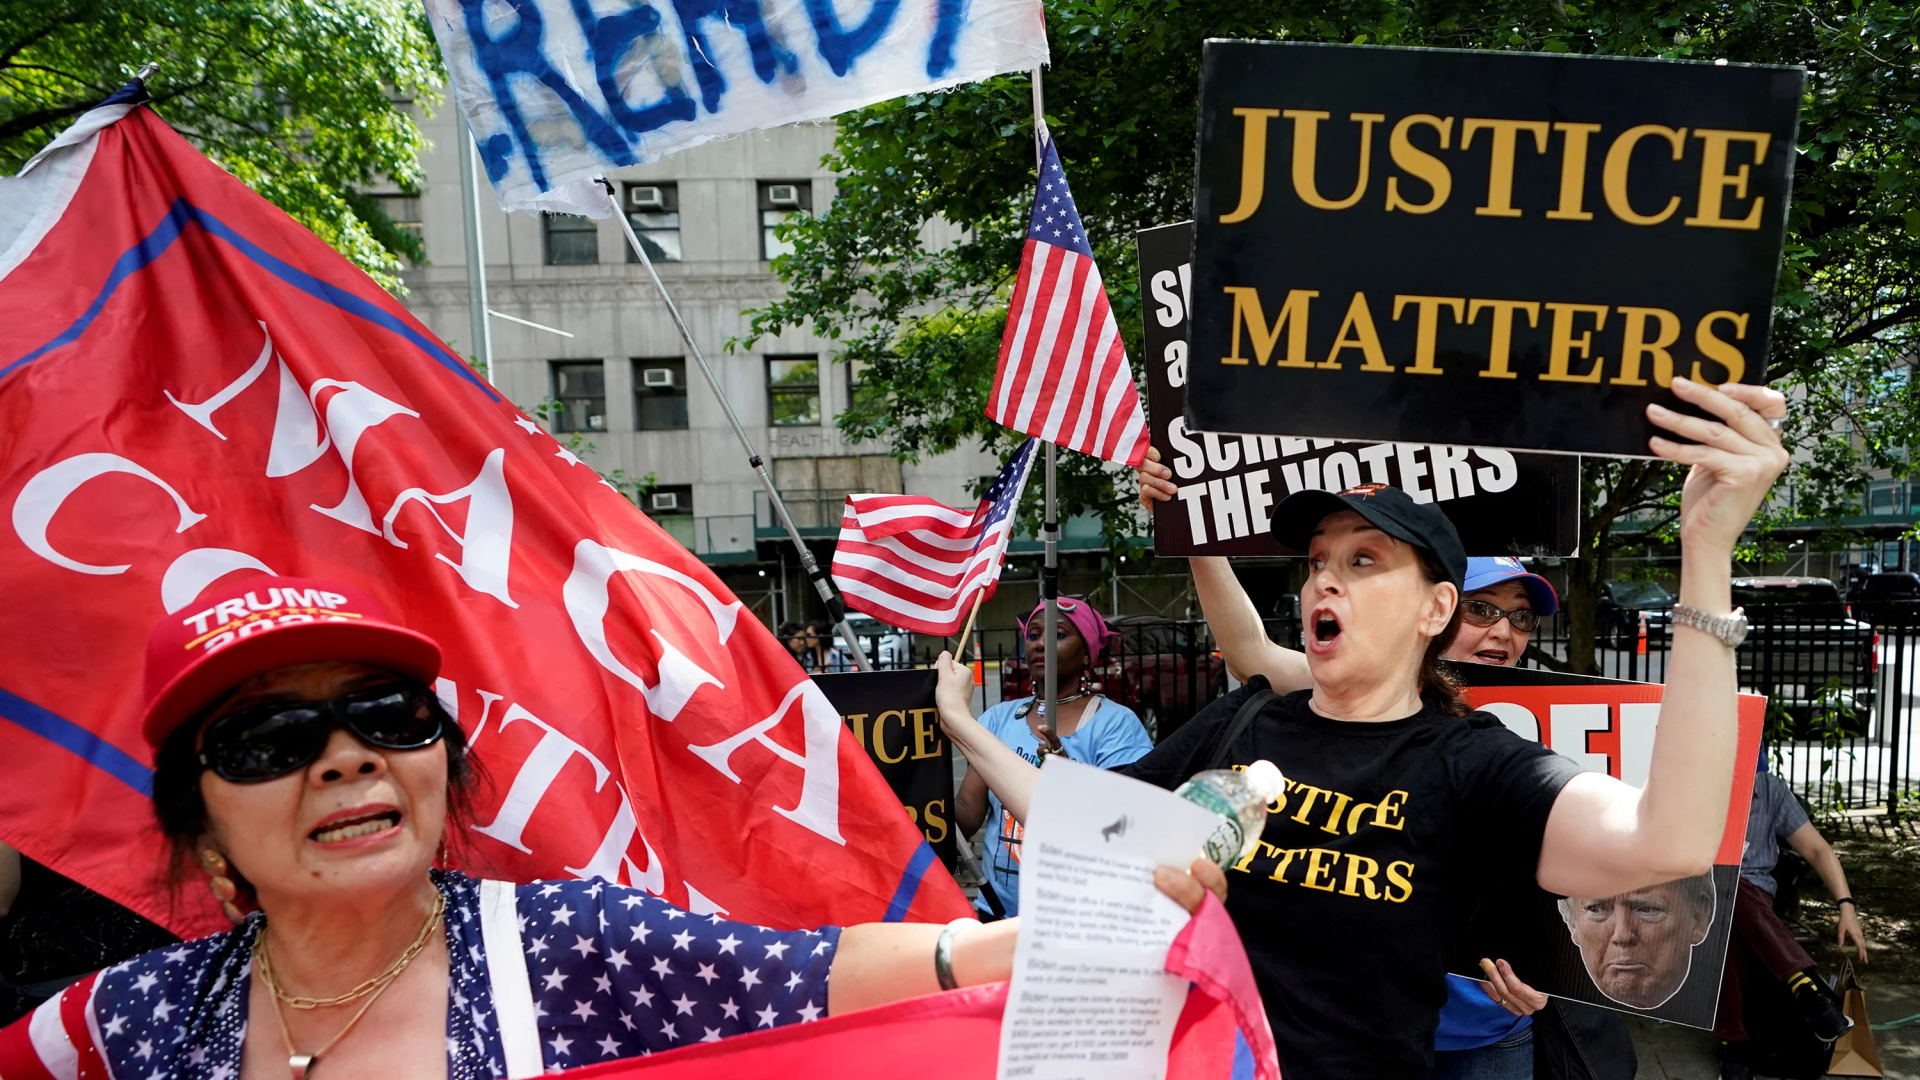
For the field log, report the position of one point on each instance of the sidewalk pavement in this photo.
(1668, 1052)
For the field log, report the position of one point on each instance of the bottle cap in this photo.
(1264, 778)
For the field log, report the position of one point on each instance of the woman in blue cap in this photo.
(1402, 807)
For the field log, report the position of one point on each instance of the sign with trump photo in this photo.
(1656, 951)
(1489, 249)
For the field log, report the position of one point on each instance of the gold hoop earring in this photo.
(220, 883)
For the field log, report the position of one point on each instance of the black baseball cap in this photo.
(1392, 510)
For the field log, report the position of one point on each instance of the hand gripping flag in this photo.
(193, 388)
(917, 562)
(1064, 375)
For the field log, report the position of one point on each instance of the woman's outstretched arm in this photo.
(1604, 837)
(1005, 772)
(877, 963)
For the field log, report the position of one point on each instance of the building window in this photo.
(671, 507)
(654, 211)
(404, 212)
(781, 200)
(859, 391)
(793, 391)
(572, 240)
(580, 388)
(660, 394)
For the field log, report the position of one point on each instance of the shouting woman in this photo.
(1400, 806)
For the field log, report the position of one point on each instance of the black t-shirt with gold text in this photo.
(1388, 833)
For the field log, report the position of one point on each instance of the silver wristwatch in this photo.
(1730, 628)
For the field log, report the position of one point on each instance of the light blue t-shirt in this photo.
(1109, 735)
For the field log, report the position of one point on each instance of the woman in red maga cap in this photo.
(304, 765)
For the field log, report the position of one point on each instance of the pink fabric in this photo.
(1209, 953)
(1093, 629)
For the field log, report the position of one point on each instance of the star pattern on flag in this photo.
(609, 994)
(1055, 219)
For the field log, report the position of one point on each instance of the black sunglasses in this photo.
(1481, 613)
(263, 742)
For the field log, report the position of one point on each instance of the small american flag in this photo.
(916, 562)
(1064, 375)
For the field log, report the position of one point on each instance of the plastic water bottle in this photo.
(1240, 798)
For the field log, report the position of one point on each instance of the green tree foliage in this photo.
(306, 101)
(925, 317)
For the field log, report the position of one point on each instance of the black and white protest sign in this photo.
(1479, 248)
(892, 715)
(1502, 503)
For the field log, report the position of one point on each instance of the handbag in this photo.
(1854, 1053)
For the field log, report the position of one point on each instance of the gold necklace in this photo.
(373, 985)
(300, 1065)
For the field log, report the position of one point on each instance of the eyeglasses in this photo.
(1481, 613)
(260, 743)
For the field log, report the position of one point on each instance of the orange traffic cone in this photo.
(1641, 648)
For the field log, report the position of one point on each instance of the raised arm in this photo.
(1604, 837)
(1225, 605)
(997, 766)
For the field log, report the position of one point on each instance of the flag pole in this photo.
(967, 630)
(835, 610)
(1049, 691)
(476, 259)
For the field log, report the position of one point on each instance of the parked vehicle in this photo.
(1813, 660)
(1154, 666)
(1885, 598)
(1616, 620)
(885, 646)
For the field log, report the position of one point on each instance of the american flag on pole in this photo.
(1064, 375)
(916, 562)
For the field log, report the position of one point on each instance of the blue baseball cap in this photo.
(1483, 573)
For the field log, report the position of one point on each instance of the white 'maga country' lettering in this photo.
(300, 439)
(586, 597)
(486, 548)
(41, 498)
(819, 805)
(536, 776)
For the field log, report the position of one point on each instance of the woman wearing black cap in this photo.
(1398, 806)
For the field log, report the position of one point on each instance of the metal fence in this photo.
(1841, 684)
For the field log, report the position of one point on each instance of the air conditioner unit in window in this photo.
(659, 378)
(783, 194)
(666, 500)
(597, 423)
(647, 198)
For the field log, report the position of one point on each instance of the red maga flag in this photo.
(1064, 375)
(194, 387)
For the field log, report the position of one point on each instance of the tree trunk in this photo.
(1582, 600)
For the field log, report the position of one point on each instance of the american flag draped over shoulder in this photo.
(916, 563)
(1064, 375)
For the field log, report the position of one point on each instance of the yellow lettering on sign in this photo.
(1563, 343)
(1718, 351)
(1402, 878)
(1293, 315)
(858, 722)
(1573, 172)
(1634, 345)
(1360, 871)
(1613, 176)
(1306, 146)
(933, 823)
(1715, 180)
(1318, 871)
(1500, 345)
(1253, 162)
(1420, 164)
(880, 740)
(1500, 161)
(1427, 326)
(926, 734)
(1357, 332)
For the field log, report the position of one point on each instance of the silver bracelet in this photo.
(943, 953)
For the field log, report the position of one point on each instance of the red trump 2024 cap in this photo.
(262, 624)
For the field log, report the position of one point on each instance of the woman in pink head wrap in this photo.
(1090, 728)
